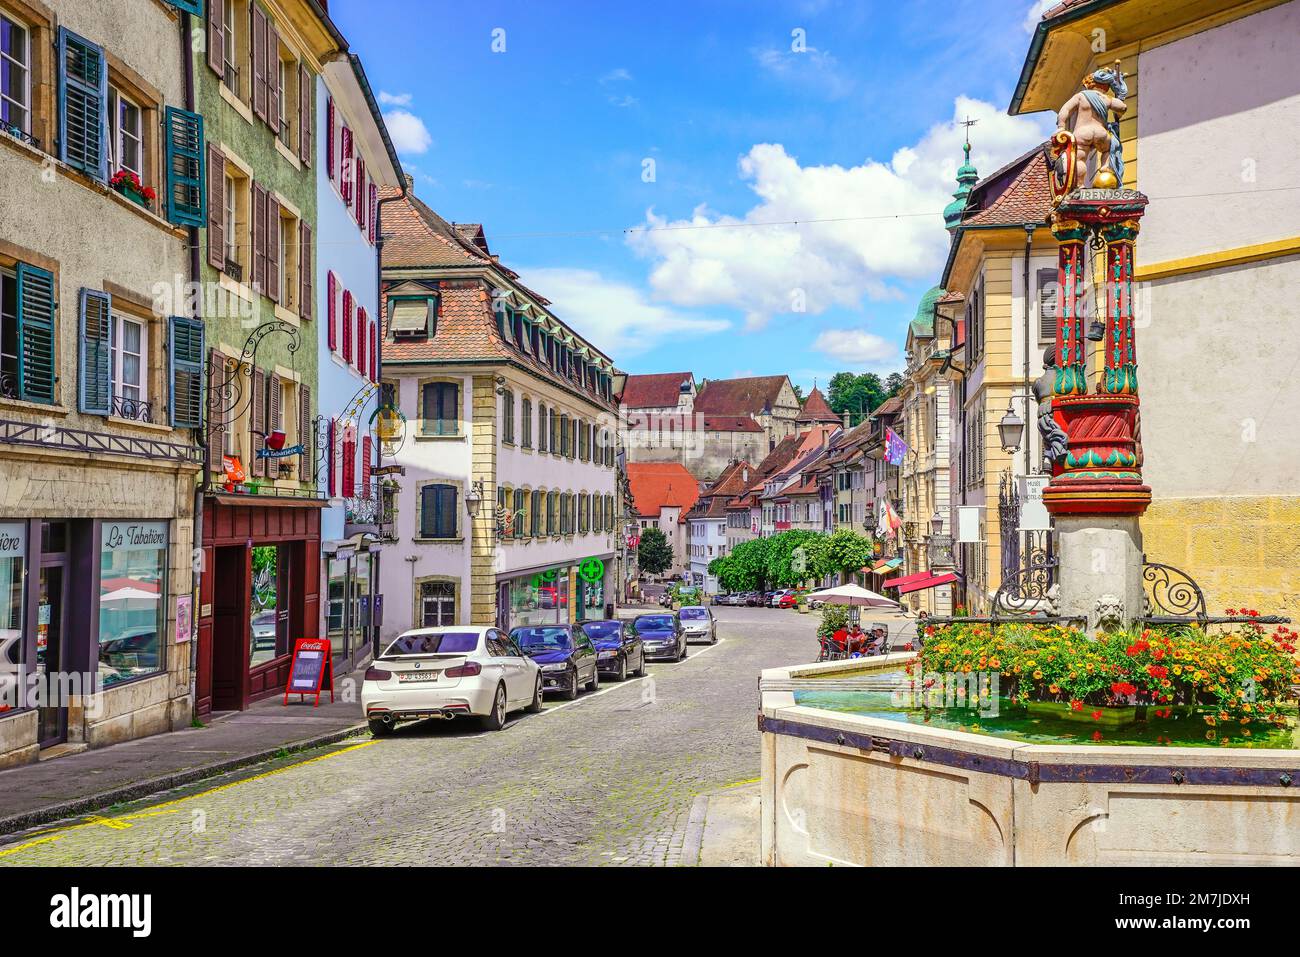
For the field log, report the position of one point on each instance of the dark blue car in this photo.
(662, 635)
(619, 650)
(566, 656)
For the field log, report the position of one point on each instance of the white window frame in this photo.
(287, 282)
(5, 58)
(118, 135)
(231, 216)
(13, 308)
(116, 354)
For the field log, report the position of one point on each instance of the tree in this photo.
(845, 551)
(798, 394)
(856, 394)
(655, 555)
(893, 384)
(787, 560)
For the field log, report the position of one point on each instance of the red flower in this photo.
(1096, 716)
(1076, 705)
(1096, 736)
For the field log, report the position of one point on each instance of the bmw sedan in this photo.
(565, 655)
(619, 650)
(662, 635)
(698, 624)
(449, 672)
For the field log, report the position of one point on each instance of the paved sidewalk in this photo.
(78, 783)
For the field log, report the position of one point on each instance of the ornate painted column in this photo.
(1072, 239)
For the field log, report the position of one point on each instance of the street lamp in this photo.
(1011, 430)
(936, 522)
(474, 499)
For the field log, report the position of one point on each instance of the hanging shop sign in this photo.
(388, 470)
(592, 570)
(270, 453)
(311, 671)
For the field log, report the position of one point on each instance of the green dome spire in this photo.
(967, 177)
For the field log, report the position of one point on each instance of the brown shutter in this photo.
(273, 91)
(305, 292)
(257, 423)
(257, 45)
(274, 392)
(306, 112)
(259, 238)
(217, 35)
(216, 435)
(273, 264)
(306, 434)
(216, 208)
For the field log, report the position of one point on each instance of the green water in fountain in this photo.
(1016, 724)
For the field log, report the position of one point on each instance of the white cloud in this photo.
(407, 131)
(394, 99)
(856, 347)
(615, 76)
(1036, 11)
(860, 229)
(617, 317)
(810, 67)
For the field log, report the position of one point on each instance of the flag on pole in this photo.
(895, 447)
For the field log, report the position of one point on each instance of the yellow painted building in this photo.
(1210, 137)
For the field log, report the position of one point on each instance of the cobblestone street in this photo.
(609, 779)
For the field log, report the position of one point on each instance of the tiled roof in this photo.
(817, 409)
(465, 328)
(659, 484)
(1026, 199)
(1061, 8)
(414, 235)
(730, 423)
(891, 405)
(740, 396)
(658, 391)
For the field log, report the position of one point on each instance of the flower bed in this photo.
(1239, 678)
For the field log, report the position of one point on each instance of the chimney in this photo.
(848, 418)
(410, 183)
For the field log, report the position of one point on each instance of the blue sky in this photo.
(638, 163)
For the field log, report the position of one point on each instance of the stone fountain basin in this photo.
(856, 790)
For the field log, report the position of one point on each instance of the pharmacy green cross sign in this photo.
(591, 570)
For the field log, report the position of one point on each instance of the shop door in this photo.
(51, 655)
(503, 607)
(229, 628)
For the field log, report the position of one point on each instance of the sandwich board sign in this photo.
(311, 670)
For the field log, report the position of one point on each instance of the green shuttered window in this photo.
(83, 98)
(95, 314)
(438, 511)
(36, 308)
(185, 370)
(188, 6)
(186, 196)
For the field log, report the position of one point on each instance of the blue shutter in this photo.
(83, 105)
(185, 372)
(186, 195)
(189, 6)
(95, 314)
(36, 308)
(446, 511)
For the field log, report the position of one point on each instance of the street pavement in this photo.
(608, 779)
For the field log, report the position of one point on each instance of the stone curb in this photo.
(693, 845)
(166, 782)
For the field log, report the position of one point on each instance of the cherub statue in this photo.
(1084, 128)
(1055, 441)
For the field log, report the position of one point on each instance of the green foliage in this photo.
(789, 557)
(844, 551)
(893, 384)
(654, 555)
(834, 617)
(858, 394)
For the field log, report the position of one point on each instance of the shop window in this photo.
(132, 592)
(13, 553)
(266, 643)
(438, 511)
(437, 604)
(336, 603)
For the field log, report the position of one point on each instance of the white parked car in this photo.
(450, 672)
(698, 624)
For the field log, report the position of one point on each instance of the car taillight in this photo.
(377, 674)
(468, 670)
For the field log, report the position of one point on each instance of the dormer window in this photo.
(412, 317)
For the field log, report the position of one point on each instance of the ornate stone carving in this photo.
(1110, 613)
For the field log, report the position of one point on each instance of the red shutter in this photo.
(362, 204)
(258, 58)
(259, 237)
(329, 137)
(374, 352)
(362, 326)
(217, 36)
(274, 94)
(349, 467)
(347, 325)
(216, 208)
(273, 264)
(306, 114)
(374, 213)
(365, 466)
(347, 166)
(332, 290)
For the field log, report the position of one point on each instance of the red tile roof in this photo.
(1027, 198)
(730, 423)
(740, 396)
(817, 409)
(658, 391)
(659, 484)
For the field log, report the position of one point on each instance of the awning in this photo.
(410, 315)
(927, 581)
(884, 565)
(905, 579)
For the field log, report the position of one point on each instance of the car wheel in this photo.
(640, 669)
(594, 683)
(536, 706)
(713, 638)
(380, 729)
(571, 692)
(622, 668)
(495, 719)
(682, 654)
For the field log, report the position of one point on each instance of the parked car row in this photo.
(467, 671)
(779, 598)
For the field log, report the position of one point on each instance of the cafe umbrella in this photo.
(855, 596)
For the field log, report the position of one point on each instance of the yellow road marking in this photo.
(167, 807)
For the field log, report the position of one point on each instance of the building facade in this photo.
(256, 80)
(663, 494)
(354, 160)
(100, 374)
(506, 509)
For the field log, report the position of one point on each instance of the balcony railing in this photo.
(234, 270)
(20, 134)
(136, 410)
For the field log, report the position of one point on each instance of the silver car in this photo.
(698, 624)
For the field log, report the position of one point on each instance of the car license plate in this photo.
(409, 676)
